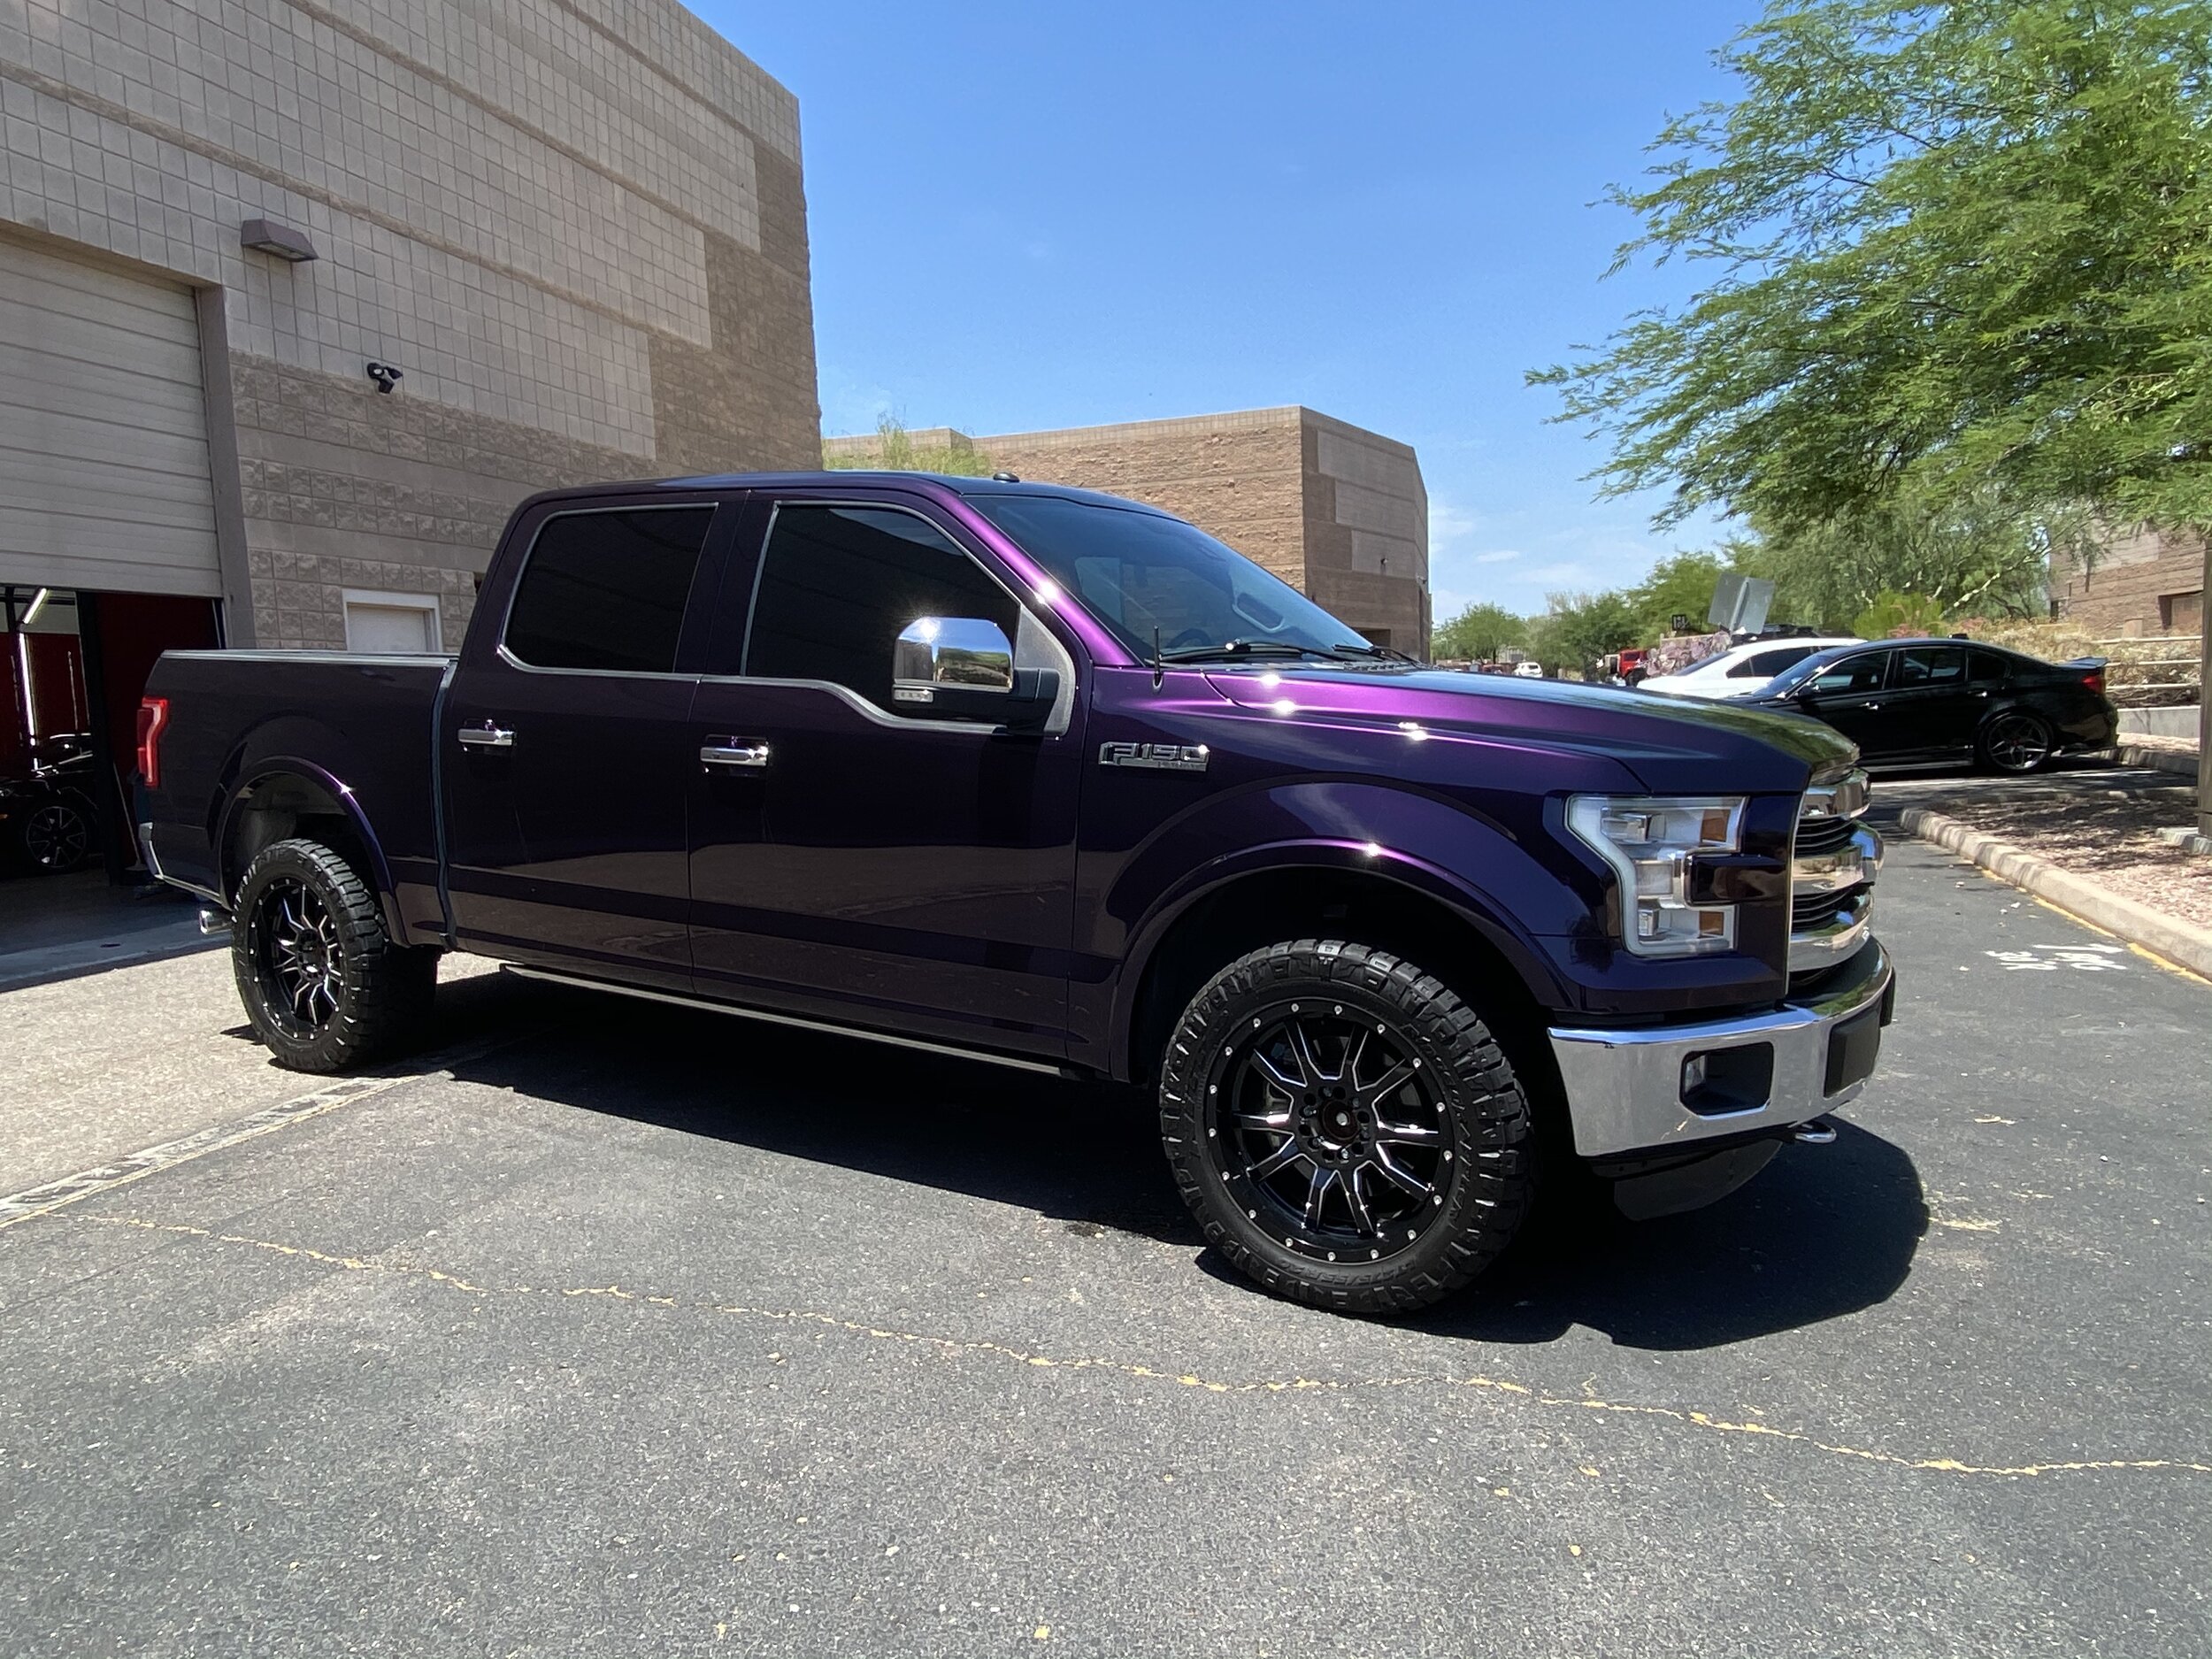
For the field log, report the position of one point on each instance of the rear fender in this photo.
(266, 768)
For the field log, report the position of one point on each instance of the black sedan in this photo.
(1906, 702)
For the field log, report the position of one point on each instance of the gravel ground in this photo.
(2098, 822)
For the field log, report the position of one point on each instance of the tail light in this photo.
(153, 716)
(2094, 680)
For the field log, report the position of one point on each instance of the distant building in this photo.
(2148, 582)
(1338, 511)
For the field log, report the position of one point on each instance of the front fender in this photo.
(1461, 858)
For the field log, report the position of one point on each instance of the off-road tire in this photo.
(376, 995)
(1487, 1155)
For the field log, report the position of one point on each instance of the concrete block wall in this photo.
(578, 227)
(1337, 511)
(2144, 582)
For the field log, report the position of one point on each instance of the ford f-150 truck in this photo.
(1058, 780)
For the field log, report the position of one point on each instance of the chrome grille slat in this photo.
(1833, 860)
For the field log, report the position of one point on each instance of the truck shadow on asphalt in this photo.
(1820, 1233)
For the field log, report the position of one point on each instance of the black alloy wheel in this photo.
(2017, 742)
(1345, 1127)
(297, 957)
(1325, 1122)
(322, 982)
(57, 834)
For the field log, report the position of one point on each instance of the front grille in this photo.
(1833, 863)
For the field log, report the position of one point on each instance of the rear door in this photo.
(853, 856)
(1931, 708)
(564, 742)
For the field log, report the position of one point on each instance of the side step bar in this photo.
(580, 982)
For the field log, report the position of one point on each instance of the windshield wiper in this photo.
(1243, 647)
(1379, 653)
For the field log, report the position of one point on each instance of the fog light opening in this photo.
(1719, 1081)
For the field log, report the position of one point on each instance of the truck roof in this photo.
(845, 477)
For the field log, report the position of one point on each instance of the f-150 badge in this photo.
(1155, 756)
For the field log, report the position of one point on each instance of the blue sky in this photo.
(1055, 215)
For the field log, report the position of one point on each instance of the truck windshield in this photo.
(1139, 571)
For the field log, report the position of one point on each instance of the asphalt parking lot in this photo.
(612, 1329)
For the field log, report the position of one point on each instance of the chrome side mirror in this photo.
(964, 652)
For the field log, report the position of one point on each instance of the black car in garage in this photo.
(1918, 701)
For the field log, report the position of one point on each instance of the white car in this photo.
(1741, 670)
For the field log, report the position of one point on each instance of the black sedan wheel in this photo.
(57, 834)
(2016, 741)
(1345, 1128)
(323, 984)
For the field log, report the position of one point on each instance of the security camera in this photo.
(384, 376)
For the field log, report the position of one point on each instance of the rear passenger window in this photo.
(1766, 664)
(1986, 668)
(1930, 667)
(605, 591)
(837, 585)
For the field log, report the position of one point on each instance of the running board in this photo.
(580, 982)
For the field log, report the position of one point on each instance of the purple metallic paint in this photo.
(999, 890)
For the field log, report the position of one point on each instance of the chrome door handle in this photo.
(718, 751)
(486, 736)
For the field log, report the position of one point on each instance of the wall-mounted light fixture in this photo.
(266, 235)
(384, 376)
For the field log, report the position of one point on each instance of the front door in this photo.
(1848, 695)
(851, 855)
(563, 746)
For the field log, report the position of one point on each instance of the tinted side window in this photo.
(1766, 664)
(837, 585)
(1935, 667)
(1852, 673)
(1986, 668)
(606, 590)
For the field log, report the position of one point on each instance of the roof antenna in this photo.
(1158, 673)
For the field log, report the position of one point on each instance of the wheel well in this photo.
(1331, 904)
(283, 806)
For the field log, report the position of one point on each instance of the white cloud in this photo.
(1498, 558)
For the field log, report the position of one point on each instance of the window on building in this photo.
(606, 591)
(392, 624)
(839, 585)
(2181, 613)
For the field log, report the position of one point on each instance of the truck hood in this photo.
(1673, 745)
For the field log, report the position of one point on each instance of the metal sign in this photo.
(1740, 603)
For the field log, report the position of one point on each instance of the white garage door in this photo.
(104, 468)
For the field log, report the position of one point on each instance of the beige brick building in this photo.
(1338, 511)
(576, 227)
(2145, 583)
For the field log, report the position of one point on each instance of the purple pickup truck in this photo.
(1059, 781)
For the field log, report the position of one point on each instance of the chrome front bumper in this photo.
(1659, 1088)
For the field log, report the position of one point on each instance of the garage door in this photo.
(103, 468)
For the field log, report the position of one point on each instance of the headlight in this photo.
(1650, 842)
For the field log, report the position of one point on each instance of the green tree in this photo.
(1973, 557)
(1576, 629)
(1481, 633)
(1958, 248)
(1968, 242)
(1898, 613)
(1679, 586)
(895, 450)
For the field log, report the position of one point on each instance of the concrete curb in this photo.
(2178, 942)
(2171, 760)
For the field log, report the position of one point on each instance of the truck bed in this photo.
(235, 717)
